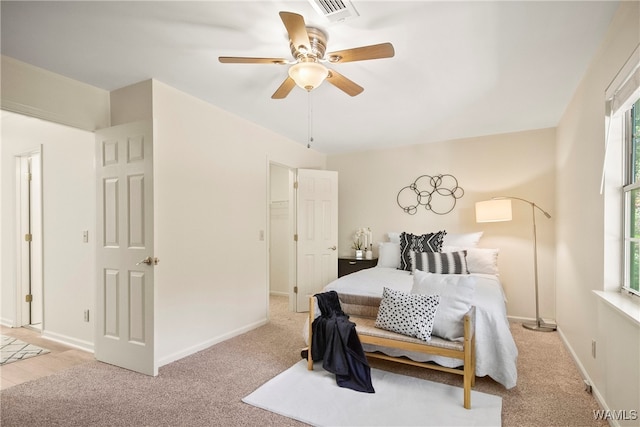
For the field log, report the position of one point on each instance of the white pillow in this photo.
(466, 240)
(456, 297)
(479, 260)
(389, 255)
(394, 237)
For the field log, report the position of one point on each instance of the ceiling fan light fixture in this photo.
(308, 75)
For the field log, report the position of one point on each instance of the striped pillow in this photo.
(440, 262)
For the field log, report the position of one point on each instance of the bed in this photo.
(496, 352)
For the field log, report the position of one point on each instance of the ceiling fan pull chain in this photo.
(310, 121)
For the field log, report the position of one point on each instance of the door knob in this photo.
(148, 260)
(333, 248)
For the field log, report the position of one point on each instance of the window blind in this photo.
(620, 96)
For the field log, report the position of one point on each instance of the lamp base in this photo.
(540, 326)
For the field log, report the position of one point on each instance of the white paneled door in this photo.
(125, 258)
(317, 230)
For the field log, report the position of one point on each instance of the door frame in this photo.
(291, 230)
(20, 256)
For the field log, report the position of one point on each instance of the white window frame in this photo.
(627, 189)
(620, 97)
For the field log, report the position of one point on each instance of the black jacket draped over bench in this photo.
(337, 344)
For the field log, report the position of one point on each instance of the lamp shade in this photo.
(493, 210)
(308, 75)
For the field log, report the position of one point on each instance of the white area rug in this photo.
(12, 350)
(314, 397)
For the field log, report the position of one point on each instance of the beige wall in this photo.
(36, 92)
(132, 103)
(580, 227)
(68, 177)
(68, 190)
(517, 164)
(211, 184)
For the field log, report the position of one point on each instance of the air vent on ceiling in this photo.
(335, 10)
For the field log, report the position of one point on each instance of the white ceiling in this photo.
(461, 69)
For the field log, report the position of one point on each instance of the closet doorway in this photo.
(29, 239)
(281, 230)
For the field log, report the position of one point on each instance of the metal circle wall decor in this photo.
(437, 194)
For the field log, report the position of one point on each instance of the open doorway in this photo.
(29, 239)
(281, 231)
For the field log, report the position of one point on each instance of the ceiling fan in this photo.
(308, 46)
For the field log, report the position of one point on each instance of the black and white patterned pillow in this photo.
(440, 262)
(430, 242)
(407, 314)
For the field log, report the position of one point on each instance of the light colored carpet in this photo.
(13, 350)
(206, 388)
(314, 398)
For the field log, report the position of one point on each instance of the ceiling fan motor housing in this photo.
(317, 42)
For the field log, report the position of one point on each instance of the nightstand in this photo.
(351, 264)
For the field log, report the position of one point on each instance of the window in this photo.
(631, 191)
(620, 184)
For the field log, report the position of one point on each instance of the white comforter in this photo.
(496, 352)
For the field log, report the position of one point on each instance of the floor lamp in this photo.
(499, 209)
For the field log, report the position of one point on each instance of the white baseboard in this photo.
(69, 341)
(279, 294)
(583, 372)
(518, 319)
(208, 343)
(7, 322)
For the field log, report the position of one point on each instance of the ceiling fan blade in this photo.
(246, 60)
(297, 29)
(376, 51)
(284, 89)
(344, 84)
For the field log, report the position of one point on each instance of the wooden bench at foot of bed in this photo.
(363, 312)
